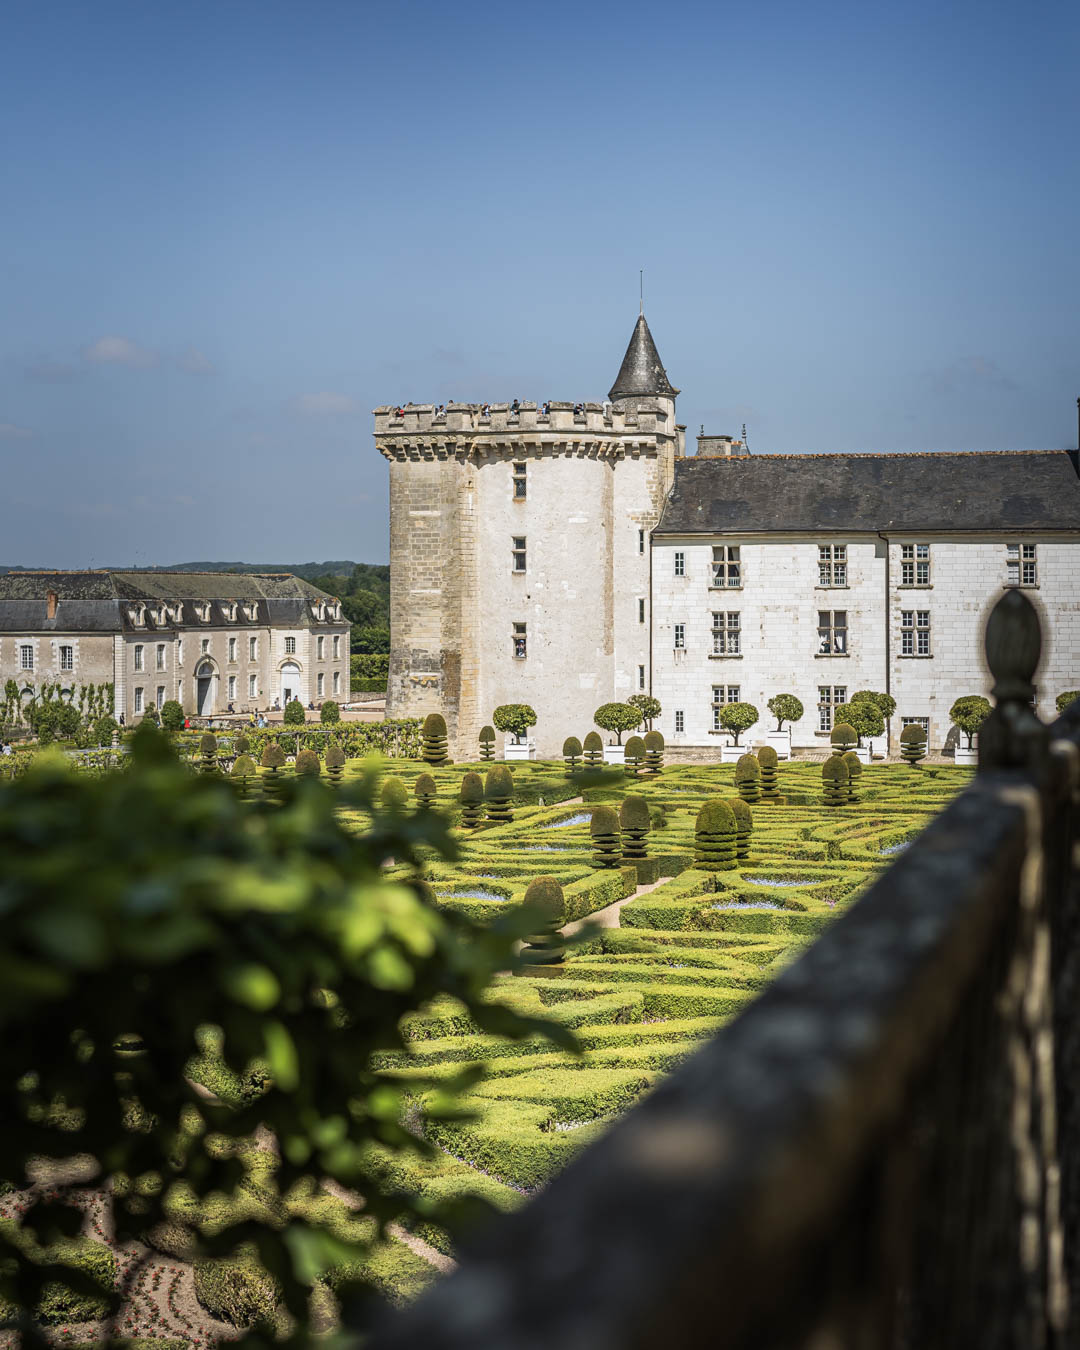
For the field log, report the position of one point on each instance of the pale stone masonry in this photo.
(723, 576)
(206, 639)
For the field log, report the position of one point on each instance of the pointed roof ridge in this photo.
(642, 372)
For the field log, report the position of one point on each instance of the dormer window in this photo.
(160, 615)
(202, 610)
(229, 607)
(318, 608)
(137, 616)
(176, 612)
(251, 611)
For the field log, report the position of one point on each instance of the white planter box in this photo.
(614, 754)
(524, 750)
(731, 754)
(968, 757)
(780, 742)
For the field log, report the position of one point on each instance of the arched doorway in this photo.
(204, 689)
(290, 682)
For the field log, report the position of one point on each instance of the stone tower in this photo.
(520, 552)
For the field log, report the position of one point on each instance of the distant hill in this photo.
(370, 572)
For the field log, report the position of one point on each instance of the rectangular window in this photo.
(161, 656)
(830, 697)
(138, 700)
(232, 649)
(160, 695)
(337, 681)
(290, 646)
(1020, 565)
(205, 645)
(518, 553)
(26, 657)
(641, 677)
(520, 638)
(915, 632)
(320, 684)
(680, 720)
(337, 646)
(915, 564)
(67, 658)
(832, 632)
(832, 564)
(138, 656)
(519, 482)
(726, 566)
(252, 686)
(641, 541)
(253, 648)
(641, 611)
(180, 651)
(721, 694)
(680, 564)
(680, 635)
(726, 633)
(232, 687)
(320, 648)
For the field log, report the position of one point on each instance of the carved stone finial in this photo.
(1012, 736)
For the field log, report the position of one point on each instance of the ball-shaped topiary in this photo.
(617, 717)
(834, 781)
(433, 740)
(593, 750)
(307, 764)
(649, 706)
(865, 716)
(471, 797)
(913, 743)
(487, 742)
(737, 718)
(715, 837)
(654, 752)
(243, 770)
(769, 764)
(273, 757)
(499, 794)
(854, 768)
(514, 719)
(969, 713)
(172, 716)
(885, 702)
(744, 826)
(329, 713)
(425, 790)
(208, 752)
(571, 749)
(635, 823)
(844, 737)
(547, 906)
(294, 713)
(634, 755)
(335, 763)
(242, 745)
(785, 708)
(393, 798)
(748, 778)
(606, 837)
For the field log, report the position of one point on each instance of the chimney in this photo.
(50, 601)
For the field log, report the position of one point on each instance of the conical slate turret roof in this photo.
(642, 372)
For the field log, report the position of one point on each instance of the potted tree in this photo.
(616, 717)
(650, 708)
(864, 715)
(515, 719)
(887, 705)
(735, 718)
(785, 708)
(968, 713)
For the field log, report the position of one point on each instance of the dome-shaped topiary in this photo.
(392, 796)
(715, 837)
(634, 754)
(768, 763)
(243, 770)
(748, 777)
(854, 768)
(208, 752)
(294, 715)
(471, 797)
(635, 823)
(433, 742)
(172, 715)
(307, 764)
(499, 794)
(654, 752)
(834, 781)
(335, 763)
(242, 745)
(425, 789)
(487, 742)
(913, 742)
(593, 750)
(273, 757)
(330, 712)
(606, 838)
(544, 898)
(844, 737)
(744, 826)
(571, 749)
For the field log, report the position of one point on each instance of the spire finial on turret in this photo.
(642, 373)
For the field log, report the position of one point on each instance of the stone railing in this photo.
(565, 419)
(882, 1151)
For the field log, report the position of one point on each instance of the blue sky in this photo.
(230, 230)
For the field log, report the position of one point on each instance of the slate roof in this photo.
(642, 373)
(1002, 490)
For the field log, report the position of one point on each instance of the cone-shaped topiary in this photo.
(392, 796)
(844, 737)
(634, 755)
(487, 742)
(913, 743)
(499, 794)
(273, 759)
(425, 790)
(834, 781)
(571, 752)
(744, 826)
(593, 750)
(242, 745)
(606, 840)
(715, 837)
(748, 778)
(307, 764)
(654, 752)
(208, 752)
(768, 763)
(433, 742)
(635, 822)
(335, 763)
(544, 896)
(471, 797)
(854, 769)
(243, 770)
